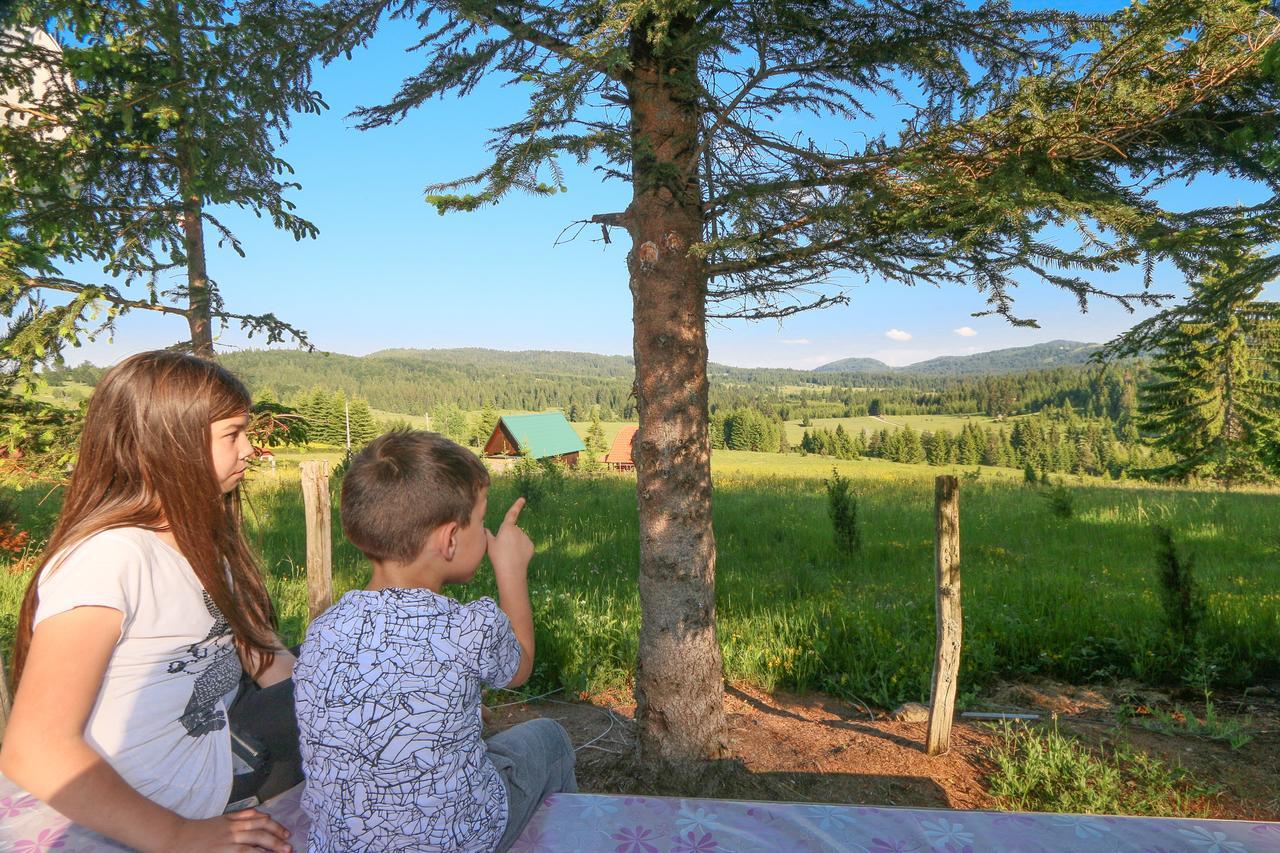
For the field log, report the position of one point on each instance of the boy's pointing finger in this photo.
(514, 513)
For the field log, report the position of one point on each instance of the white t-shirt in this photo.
(161, 716)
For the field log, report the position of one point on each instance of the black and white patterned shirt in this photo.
(387, 689)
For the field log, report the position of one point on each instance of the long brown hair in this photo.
(146, 460)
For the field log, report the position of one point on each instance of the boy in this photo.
(388, 682)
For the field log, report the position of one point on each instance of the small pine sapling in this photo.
(842, 505)
(1181, 597)
(1061, 502)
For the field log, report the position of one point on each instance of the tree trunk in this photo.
(679, 676)
(198, 303)
(198, 318)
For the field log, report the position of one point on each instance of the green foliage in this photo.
(329, 416)
(748, 429)
(595, 434)
(537, 480)
(136, 119)
(1211, 725)
(1217, 360)
(276, 425)
(842, 507)
(1060, 501)
(37, 440)
(1181, 599)
(990, 154)
(1043, 770)
(485, 425)
(450, 421)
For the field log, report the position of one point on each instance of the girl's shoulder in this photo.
(125, 568)
(117, 550)
(124, 540)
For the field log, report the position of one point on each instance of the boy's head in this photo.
(405, 485)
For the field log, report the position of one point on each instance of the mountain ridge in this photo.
(1043, 356)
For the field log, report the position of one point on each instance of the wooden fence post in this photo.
(946, 663)
(6, 701)
(315, 502)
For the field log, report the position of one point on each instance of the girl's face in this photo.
(231, 450)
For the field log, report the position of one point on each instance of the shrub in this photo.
(527, 474)
(842, 505)
(536, 480)
(1043, 770)
(1060, 501)
(1180, 596)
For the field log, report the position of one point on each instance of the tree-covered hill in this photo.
(1011, 360)
(855, 365)
(419, 381)
(523, 361)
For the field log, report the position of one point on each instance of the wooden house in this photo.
(619, 456)
(543, 436)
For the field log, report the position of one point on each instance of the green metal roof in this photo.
(547, 434)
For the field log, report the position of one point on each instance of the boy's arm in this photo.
(510, 552)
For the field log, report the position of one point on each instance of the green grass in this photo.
(1042, 770)
(1210, 725)
(1070, 598)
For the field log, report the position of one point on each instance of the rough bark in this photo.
(198, 318)
(679, 677)
(198, 305)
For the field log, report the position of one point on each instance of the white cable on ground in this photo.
(525, 699)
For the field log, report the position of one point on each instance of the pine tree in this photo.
(1023, 119)
(1214, 404)
(486, 423)
(910, 451)
(450, 421)
(364, 428)
(165, 109)
(595, 433)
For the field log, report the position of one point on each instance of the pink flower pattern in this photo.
(688, 844)
(48, 839)
(14, 805)
(634, 840)
(592, 822)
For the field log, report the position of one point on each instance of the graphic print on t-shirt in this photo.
(216, 670)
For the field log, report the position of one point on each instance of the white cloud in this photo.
(897, 335)
(796, 341)
(965, 332)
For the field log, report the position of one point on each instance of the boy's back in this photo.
(387, 690)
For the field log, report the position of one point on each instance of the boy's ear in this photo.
(444, 539)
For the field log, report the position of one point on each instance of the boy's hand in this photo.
(511, 549)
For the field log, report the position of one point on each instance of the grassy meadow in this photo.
(1074, 598)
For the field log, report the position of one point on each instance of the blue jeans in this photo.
(535, 760)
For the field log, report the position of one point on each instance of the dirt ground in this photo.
(814, 748)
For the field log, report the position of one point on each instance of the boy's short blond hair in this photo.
(403, 486)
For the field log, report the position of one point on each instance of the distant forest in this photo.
(419, 381)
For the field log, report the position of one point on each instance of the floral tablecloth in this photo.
(588, 822)
(610, 824)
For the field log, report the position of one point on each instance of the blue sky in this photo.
(387, 271)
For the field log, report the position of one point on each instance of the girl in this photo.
(136, 629)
